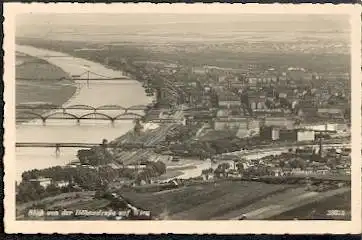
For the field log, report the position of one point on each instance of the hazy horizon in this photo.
(308, 31)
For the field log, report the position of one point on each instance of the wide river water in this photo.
(125, 93)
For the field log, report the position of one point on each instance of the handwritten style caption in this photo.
(80, 212)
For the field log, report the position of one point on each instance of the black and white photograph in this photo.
(193, 116)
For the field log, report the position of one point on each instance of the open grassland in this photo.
(203, 201)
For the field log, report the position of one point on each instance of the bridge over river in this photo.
(127, 146)
(106, 89)
(79, 112)
(85, 76)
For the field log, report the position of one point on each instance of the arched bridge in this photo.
(91, 116)
(70, 116)
(110, 107)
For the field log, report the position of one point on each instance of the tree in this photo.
(281, 163)
(29, 191)
(160, 167)
(52, 189)
(298, 163)
(207, 172)
(86, 156)
(240, 166)
(225, 165)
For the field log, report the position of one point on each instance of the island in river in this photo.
(39, 81)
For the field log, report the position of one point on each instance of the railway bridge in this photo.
(58, 146)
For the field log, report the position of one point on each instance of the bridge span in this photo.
(113, 112)
(85, 76)
(93, 116)
(80, 145)
(79, 79)
(49, 106)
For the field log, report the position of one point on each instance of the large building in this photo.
(244, 125)
(281, 122)
(288, 135)
(269, 133)
(252, 128)
(305, 135)
(261, 79)
(230, 123)
(229, 100)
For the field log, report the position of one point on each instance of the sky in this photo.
(171, 27)
(257, 21)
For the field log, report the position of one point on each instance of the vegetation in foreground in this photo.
(79, 178)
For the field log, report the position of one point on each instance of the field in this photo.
(220, 200)
(318, 210)
(203, 201)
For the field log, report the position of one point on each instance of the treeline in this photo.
(208, 148)
(95, 156)
(31, 191)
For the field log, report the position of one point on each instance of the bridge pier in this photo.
(44, 121)
(112, 122)
(57, 150)
(78, 121)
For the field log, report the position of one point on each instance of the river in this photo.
(125, 93)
